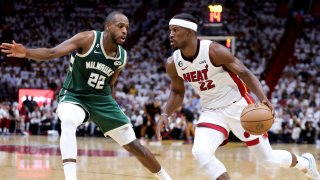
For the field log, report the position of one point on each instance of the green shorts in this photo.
(104, 111)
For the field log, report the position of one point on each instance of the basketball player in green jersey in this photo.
(87, 91)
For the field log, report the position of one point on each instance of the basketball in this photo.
(256, 118)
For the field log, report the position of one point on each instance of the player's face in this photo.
(118, 29)
(178, 37)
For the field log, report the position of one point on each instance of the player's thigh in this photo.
(107, 115)
(213, 119)
(71, 112)
(238, 131)
(207, 140)
(122, 135)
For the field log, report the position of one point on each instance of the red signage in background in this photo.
(39, 95)
(228, 43)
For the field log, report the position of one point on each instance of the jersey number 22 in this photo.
(206, 85)
(96, 80)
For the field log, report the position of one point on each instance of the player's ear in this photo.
(106, 26)
(190, 32)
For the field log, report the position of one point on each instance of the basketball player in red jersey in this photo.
(215, 74)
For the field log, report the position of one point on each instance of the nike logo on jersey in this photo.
(117, 63)
(97, 52)
(184, 68)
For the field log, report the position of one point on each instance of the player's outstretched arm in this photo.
(221, 56)
(40, 54)
(175, 98)
(13, 50)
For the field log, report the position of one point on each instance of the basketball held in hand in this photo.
(256, 118)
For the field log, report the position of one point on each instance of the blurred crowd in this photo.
(297, 95)
(143, 86)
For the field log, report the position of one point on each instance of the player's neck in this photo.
(109, 47)
(190, 52)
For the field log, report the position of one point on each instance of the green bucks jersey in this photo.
(90, 73)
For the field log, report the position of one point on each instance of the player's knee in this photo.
(67, 121)
(70, 115)
(68, 124)
(202, 155)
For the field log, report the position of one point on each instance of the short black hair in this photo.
(186, 16)
(111, 16)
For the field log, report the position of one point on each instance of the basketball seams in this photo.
(257, 132)
(258, 120)
(250, 122)
(255, 109)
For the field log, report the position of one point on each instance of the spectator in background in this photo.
(137, 122)
(286, 133)
(33, 104)
(29, 103)
(188, 117)
(308, 135)
(151, 110)
(54, 120)
(26, 103)
(35, 119)
(296, 133)
(49, 119)
(4, 119)
(15, 118)
(25, 120)
(176, 126)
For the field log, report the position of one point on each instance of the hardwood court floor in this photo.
(38, 157)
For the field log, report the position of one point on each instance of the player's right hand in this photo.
(162, 123)
(268, 103)
(13, 50)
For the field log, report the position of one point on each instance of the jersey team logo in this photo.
(117, 63)
(200, 76)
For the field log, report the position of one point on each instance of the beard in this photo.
(114, 39)
(174, 47)
(177, 46)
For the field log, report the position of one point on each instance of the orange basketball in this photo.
(256, 118)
